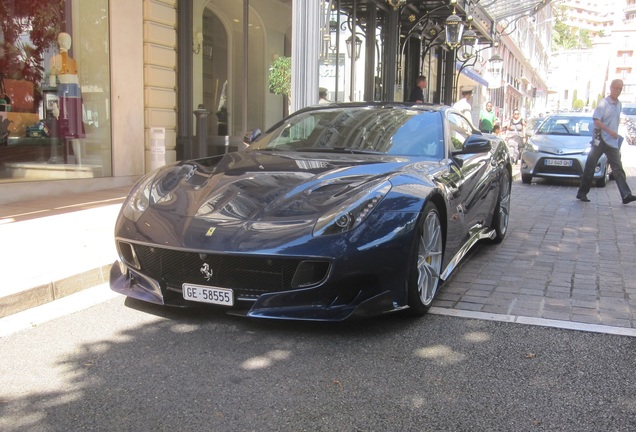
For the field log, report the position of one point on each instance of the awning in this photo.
(499, 9)
(470, 73)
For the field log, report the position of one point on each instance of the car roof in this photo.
(573, 114)
(427, 106)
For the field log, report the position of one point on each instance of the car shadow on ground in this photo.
(387, 323)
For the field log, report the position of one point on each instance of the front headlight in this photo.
(139, 198)
(155, 188)
(531, 147)
(352, 212)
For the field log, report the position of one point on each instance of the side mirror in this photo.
(251, 136)
(476, 143)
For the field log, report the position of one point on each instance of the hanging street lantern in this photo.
(358, 46)
(454, 29)
(469, 40)
(496, 66)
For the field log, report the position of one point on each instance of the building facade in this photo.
(583, 75)
(150, 82)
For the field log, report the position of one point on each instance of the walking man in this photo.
(607, 118)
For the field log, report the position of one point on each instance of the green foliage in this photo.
(578, 103)
(566, 37)
(42, 20)
(280, 76)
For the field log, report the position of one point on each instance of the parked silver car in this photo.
(559, 149)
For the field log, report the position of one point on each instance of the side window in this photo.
(301, 130)
(460, 130)
(419, 135)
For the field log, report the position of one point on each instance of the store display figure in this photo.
(64, 74)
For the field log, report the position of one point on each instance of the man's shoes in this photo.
(629, 198)
(584, 198)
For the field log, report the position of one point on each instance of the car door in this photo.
(476, 183)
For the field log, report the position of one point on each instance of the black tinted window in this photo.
(389, 131)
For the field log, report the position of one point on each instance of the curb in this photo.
(55, 290)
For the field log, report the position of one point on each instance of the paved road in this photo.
(103, 363)
(114, 367)
(562, 259)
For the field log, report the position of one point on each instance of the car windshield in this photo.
(565, 125)
(401, 132)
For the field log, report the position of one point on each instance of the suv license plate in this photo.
(206, 294)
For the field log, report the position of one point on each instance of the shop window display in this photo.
(54, 90)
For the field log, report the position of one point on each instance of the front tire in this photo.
(526, 178)
(426, 262)
(501, 215)
(602, 182)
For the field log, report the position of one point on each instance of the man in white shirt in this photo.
(463, 105)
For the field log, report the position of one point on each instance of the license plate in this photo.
(558, 162)
(206, 294)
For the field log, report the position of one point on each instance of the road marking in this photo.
(567, 325)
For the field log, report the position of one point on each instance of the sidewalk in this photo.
(56, 246)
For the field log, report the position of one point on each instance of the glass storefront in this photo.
(54, 90)
(229, 82)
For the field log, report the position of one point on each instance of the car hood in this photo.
(257, 186)
(561, 144)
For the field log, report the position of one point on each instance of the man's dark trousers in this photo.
(614, 159)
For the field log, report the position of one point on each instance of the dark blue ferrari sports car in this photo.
(338, 211)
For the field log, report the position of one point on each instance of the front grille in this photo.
(248, 276)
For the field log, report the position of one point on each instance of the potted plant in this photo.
(280, 80)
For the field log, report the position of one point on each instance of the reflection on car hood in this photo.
(258, 186)
(559, 144)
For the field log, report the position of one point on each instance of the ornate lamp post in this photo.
(454, 29)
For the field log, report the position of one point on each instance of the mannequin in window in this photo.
(68, 112)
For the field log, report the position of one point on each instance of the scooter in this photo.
(630, 127)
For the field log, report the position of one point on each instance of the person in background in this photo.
(417, 94)
(496, 130)
(517, 129)
(487, 119)
(463, 104)
(607, 118)
(322, 96)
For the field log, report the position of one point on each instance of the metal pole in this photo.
(246, 29)
(184, 142)
(202, 130)
(352, 89)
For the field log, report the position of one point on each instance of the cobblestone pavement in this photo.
(562, 259)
